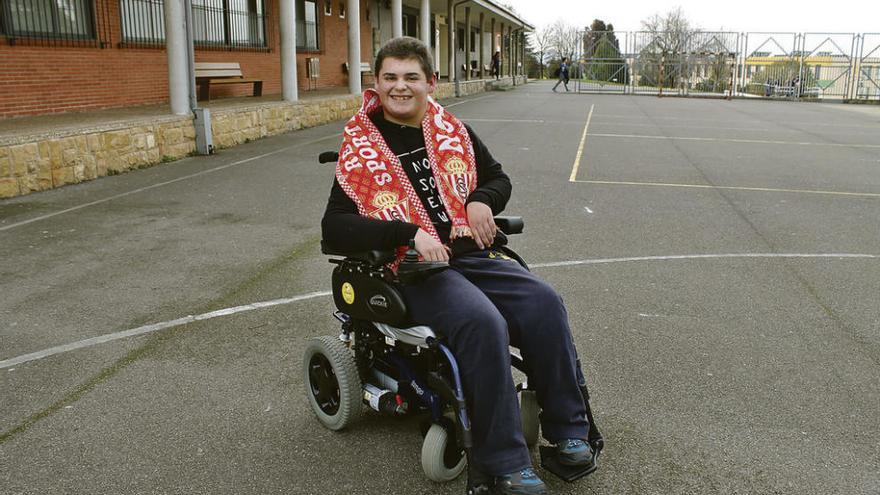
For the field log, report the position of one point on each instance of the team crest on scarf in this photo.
(371, 175)
(389, 207)
(456, 176)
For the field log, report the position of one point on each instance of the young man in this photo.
(563, 74)
(410, 170)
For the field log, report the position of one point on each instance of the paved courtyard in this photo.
(720, 261)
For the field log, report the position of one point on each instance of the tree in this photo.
(662, 55)
(602, 54)
(541, 39)
(564, 39)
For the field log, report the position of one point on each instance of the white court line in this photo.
(8, 363)
(630, 117)
(155, 327)
(731, 188)
(165, 183)
(580, 151)
(468, 101)
(731, 140)
(515, 121)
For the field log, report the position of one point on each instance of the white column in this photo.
(467, 43)
(396, 18)
(287, 14)
(450, 41)
(425, 18)
(482, 48)
(354, 46)
(175, 42)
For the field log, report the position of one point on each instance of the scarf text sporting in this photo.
(372, 176)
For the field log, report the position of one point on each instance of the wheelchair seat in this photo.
(415, 336)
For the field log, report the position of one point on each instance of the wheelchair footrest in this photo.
(550, 462)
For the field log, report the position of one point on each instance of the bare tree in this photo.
(564, 38)
(668, 41)
(542, 41)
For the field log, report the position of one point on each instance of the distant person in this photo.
(496, 64)
(563, 74)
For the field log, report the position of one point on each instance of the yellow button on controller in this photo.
(347, 293)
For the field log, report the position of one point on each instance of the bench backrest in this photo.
(218, 69)
(366, 67)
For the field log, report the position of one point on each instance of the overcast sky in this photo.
(837, 16)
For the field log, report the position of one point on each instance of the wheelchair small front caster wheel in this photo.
(333, 385)
(528, 411)
(442, 459)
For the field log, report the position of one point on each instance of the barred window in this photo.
(216, 23)
(307, 25)
(65, 19)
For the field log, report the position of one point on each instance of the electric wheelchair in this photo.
(384, 361)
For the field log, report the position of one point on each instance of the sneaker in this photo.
(523, 482)
(574, 452)
(554, 90)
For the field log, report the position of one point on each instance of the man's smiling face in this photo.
(403, 90)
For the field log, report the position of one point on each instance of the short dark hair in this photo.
(407, 48)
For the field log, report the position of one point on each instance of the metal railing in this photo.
(817, 66)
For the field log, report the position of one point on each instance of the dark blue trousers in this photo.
(483, 304)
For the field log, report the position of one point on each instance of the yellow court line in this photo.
(734, 188)
(580, 152)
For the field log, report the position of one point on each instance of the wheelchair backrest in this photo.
(362, 292)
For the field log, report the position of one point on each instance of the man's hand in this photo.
(482, 223)
(431, 249)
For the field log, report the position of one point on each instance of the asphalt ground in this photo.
(723, 291)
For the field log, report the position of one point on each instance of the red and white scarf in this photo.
(371, 175)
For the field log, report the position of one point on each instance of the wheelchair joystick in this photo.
(411, 256)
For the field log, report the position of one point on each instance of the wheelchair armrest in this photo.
(413, 272)
(510, 225)
(374, 257)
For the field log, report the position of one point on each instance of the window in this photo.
(68, 19)
(410, 25)
(461, 39)
(328, 7)
(342, 9)
(473, 40)
(222, 23)
(143, 21)
(229, 22)
(307, 25)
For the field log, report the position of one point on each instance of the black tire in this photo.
(333, 386)
(528, 411)
(442, 460)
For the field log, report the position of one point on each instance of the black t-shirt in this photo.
(342, 225)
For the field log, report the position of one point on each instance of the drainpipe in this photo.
(201, 116)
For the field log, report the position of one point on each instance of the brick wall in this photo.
(45, 79)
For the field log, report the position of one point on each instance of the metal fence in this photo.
(820, 66)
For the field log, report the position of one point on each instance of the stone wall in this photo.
(37, 163)
(40, 162)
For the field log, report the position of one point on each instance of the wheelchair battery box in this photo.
(361, 295)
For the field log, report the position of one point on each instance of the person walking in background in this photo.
(496, 64)
(563, 74)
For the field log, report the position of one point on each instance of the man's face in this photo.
(403, 90)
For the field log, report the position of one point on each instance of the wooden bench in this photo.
(366, 69)
(214, 73)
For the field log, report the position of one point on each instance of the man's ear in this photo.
(432, 84)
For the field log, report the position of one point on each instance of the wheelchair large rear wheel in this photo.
(333, 385)
(442, 459)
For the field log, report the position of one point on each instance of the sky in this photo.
(816, 16)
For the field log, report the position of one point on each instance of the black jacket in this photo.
(342, 225)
